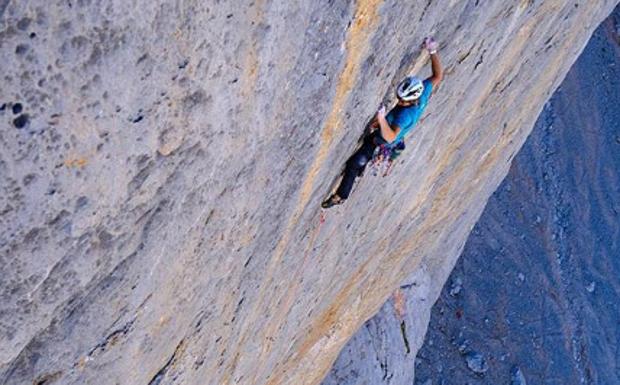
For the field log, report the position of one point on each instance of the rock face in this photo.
(534, 294)
(383, 351)
(541, 275)
(162, 165)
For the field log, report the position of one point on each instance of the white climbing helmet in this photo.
(410, 88)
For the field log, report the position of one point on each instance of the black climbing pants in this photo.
(357, 163)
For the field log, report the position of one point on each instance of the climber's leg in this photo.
(355, 167)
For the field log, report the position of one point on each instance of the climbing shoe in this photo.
(332, 201)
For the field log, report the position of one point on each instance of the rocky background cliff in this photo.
(534, 298)
(162, 165)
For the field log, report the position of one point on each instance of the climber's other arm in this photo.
(387, 133)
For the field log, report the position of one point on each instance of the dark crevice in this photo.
(505, 86)
(549, 40)
(481, 60)
(462, 58)
(404, 332)
(428, 4)
(47, 379)
(159, 376)
(183, 64)
(209, 216)
(384, 369)
(247, 262)
(112, 339)
(21, 121)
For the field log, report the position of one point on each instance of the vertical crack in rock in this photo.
(161, 373)
(403, 330)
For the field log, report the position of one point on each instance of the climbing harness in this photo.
(384, 156)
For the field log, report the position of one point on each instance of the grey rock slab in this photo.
(159, 205)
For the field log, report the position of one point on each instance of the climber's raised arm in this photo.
(431, 45)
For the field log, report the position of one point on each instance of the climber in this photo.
(388, 131)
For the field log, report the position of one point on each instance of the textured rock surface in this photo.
(378, 352)
(160, 184)
(527, 284)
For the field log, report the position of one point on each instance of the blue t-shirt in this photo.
(407, 117)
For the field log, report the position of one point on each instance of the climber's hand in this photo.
(430, 45)
(381, 113)
(374, 124)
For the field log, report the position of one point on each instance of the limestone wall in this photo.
(160, 185)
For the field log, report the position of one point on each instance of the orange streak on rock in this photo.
(366, 19)
(75, 162)
(324, 338)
